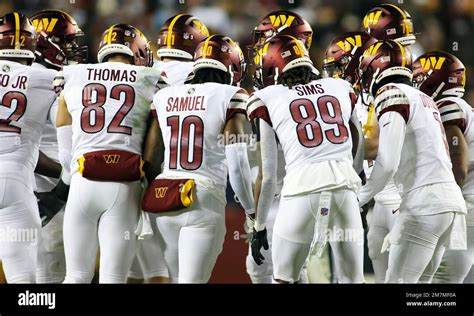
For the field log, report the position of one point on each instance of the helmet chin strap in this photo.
(374, 80)
(435, 94)
(275, 78)
(231, 75)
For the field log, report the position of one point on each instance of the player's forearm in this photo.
(268, 174)
(153, 153)
(47, 166)
(458, 152)
(357, 144)
(240, 175)
(388, 158)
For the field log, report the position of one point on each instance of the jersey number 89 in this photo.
(309, 130)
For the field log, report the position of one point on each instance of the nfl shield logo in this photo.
(324, 211)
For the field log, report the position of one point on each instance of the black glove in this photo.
(50, 203)
(259, 240)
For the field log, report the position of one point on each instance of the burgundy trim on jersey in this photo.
(403, 109)
(385, 88)
(154, 114)
(261, 113)
(231, 112)
(354, 98)
(461, 123)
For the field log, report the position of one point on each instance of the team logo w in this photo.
(350, 42)
(44, 24)
(281, 20)
(432, 62)
(111, 159)
(160, 192)
(372, 18)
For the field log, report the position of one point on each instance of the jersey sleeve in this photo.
(256, 109)
(452, 114)
(237, 104)
(392, 99)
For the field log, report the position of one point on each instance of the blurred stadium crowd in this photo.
(440, 24)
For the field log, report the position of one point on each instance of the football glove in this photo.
(50, 203)
(259, 240)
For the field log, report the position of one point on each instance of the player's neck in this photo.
(119, 59)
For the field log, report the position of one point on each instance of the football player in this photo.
(26, 96)
(310, 118)
(58, 44)
(101, 124)
(342, 61)
(177, 41)
(442, 76)
(285, 23)
(198, 127)
(412, 147)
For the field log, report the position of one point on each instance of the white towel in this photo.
(321, 224)
(144, 230)
(458, 236)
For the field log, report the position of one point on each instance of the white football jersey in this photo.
(425, 154)
(109, 104)
(390, 194)
(48, 144)
(456, 111)
(26, 96)
(311, 123)
(192, 120)
(176, 71)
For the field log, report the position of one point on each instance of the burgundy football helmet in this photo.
(17, 37)
(343, 55)
(280, 22)
(222, 53)
(439, 74)
(278, 55)
(390, 22)
(126, 40)
(284, 23)
(179, 36)
(382, 60)
(59, 39)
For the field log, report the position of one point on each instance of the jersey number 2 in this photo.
(93, 99)
(7, 101)
(307, 121)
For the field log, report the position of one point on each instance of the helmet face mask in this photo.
(343, 55)
(60, 40)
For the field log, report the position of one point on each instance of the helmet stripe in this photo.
(298, 43)
(399, 10)
(170, 30)
(17, 30)
(402, 50)
(109, 34)
(206, 43)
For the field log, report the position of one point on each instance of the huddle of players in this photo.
(117, 153)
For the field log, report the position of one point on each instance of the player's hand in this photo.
(50, 203)
(248, 228)
(259, 240)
